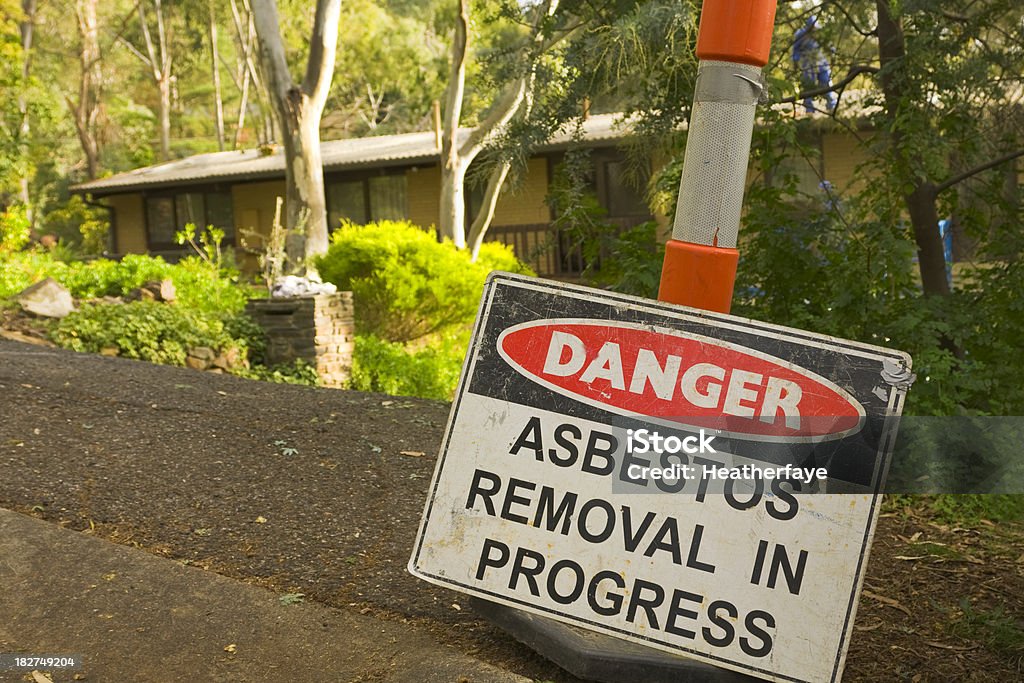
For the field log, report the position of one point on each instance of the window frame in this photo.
(173, 194)
(363, 177)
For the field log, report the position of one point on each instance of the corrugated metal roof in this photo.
(380, 151)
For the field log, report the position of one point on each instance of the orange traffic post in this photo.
(733, 43)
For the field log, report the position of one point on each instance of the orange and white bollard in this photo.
(733, 43)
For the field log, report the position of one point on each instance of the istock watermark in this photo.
(646, 441)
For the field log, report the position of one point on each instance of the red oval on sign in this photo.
(680, 379)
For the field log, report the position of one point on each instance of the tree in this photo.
(513, 99)
(158, 58)
(299, 107)
(915, 122)
(218, 101)
(248, 71)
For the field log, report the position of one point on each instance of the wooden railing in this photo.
(549, 252)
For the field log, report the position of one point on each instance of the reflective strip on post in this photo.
(700, 260)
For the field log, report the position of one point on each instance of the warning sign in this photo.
(695, 482)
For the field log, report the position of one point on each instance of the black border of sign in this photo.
(896, 398)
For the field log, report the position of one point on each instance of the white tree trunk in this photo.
(86, 110)
(456, 155)
(218, 101)
(299, 108)
(25, 128)
(478, 230)
(452, 218)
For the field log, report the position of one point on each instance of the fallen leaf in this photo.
(261, 520)
(40, 677)
(414, 454)
(231, 649)
(956, 648)
(383, 403)
(887, 601)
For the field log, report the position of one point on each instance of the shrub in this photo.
(388, 367)
(405, 283)
(14, 228)
(145, 330)
(199, 285)
(298, 372)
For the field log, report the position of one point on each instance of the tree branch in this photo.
(322, 52)
(853, 24)
(960, 177)
(456, 86)
(270, 45)
(838, 86)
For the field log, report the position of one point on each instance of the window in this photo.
(387, 198)
(377, 198)
(167, 214)
(621, 197)
(346, 201)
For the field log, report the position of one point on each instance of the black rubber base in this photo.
(596, 657)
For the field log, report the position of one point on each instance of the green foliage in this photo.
(627, 261)
(206, 244)
(199, 285)
(391, 368)
(631, 262)
(298, 372)
(971, 508)
(14, 228)
(998, 629)
(83, 227)
(405, 283)
(144, 330)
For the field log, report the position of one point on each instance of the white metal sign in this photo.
(695, 482)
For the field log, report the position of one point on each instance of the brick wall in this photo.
(317, 329)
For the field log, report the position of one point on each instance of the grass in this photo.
(995, 628)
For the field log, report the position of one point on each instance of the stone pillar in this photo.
(319, 329)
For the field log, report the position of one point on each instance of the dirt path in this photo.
(320, 492)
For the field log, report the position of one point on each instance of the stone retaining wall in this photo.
(318, 329)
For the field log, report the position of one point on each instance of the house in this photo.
(393, 177)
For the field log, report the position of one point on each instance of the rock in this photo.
(110, 351)
(196, 363)
(164, 290)
(203, 353)
(15, 335)
(154, 290)
(292, 285)
(47, 298)
(228, 359)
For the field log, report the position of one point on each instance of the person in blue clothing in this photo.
(814, 67)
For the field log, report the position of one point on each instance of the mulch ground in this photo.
(320, 491)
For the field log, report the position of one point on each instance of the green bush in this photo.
(199, 285)
(390, 368)
(405, 283)
(145, 330)
(14, 228)
(298, 372)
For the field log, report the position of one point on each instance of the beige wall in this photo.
(423, 190)
(129, 223)
(524, 203)
(254, 205)
(842, 155)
